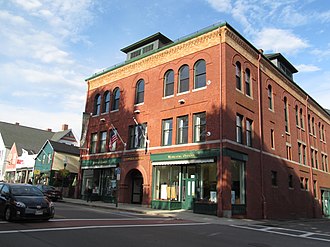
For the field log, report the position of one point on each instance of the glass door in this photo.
(188, 187)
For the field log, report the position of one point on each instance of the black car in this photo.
(24, 201)
(51, 192)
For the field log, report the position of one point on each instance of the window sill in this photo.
(167, 97)
(199, 89)
(186, 92)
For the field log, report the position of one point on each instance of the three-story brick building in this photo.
(209, 123)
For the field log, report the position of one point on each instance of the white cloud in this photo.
(42, 119)
(28, 4)
(221, 5)
(307, 68)
(279, 40)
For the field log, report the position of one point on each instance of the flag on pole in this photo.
(113, 140)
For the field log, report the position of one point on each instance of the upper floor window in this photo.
(313, 126)
(169, 83)
(97, 105)
(272, 138)
(182, 130)
(139, 96)
(247, 82)
(106, 102)
(238, 76)
(297, 115)
(199, 127)
(183, 85)
(116, 97)
(270, 97)
(137, 137)
(103, 142)
(286, 115)
(93, 143)
(200, 74)
(301, 119)
(249, 132)
(309, 123)
(239, 128)
(167, 130)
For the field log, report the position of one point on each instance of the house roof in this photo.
(24, 137)
(28, 138)
(64, 148)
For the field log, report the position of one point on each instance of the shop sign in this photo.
(100, 163)
(195, 154)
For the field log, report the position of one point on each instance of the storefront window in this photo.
(237, 182)
(166, 184)
(207, 182)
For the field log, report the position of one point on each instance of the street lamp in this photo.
(63, 174)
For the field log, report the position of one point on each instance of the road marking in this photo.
(286, 232)
(109, 219)
(98, 227)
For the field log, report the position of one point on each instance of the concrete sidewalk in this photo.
(179, 214)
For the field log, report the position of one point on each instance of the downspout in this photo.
(261, 134)
(220, 165)
(311, 182)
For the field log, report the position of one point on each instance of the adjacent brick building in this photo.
(209, 123)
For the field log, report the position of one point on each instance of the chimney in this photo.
(65, 127)
(17, 123)
(49, 130)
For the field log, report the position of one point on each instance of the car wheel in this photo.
(8, 214)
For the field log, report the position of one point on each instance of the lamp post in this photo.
(63, 174)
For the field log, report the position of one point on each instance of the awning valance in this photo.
(182, 162)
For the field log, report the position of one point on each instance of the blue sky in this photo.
(49, 47)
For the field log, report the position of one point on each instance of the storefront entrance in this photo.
(188, 194)
(137, 187)
(326, 202)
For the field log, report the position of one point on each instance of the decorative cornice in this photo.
(162, 57)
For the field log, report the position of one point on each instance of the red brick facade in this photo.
(267, 191)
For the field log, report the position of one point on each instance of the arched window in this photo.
(116, 97)
(106, 102)
(139, 95)
(297, 115)
(247, 82)
(238, 76)
(270, 97)
(169, 83)
(286, 117)
(183, 85)
(97, 105)
(200, 74)
(301, 118)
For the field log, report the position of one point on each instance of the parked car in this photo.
(51, 192)
(24, 201)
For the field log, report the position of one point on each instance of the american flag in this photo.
(113, 139)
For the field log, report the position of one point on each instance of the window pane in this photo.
(169, 83)
(167, 132)
(239, 133)
(238, 76)
(182, 133)
(115, 105)
(93, 143)
(183, 79)
(238, 182)
(199, 127)
(200, 74)
(97, 104)
(103, 141)
(247, 82)
(139, 92)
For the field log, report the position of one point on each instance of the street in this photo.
(76, 225)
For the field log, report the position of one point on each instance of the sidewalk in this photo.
(180, 214)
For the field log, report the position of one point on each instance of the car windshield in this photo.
(22, 190)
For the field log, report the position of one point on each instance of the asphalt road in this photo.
(81, 226)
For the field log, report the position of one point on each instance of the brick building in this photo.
(207, 122)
